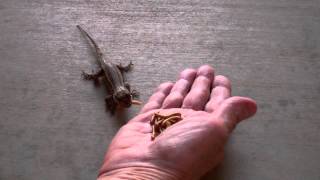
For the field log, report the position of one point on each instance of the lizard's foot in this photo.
(135, 93)
(125, 68)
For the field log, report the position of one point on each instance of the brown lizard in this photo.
(120, 93)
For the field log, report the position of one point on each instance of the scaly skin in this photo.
(119, 91)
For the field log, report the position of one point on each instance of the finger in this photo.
(200, 90)
(234, 110)
(180, 89)
(221, 91)
(155, 101)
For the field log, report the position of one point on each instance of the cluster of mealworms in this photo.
(161, 122)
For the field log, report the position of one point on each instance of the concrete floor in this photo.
(53, 124)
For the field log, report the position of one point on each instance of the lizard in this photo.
(119, 91)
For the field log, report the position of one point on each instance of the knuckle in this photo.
(188, 72)
(176, 96)
(202, 82)
(206, 70)
(188, 103)
(200, 92)
(181, 86)
(173, 99)
(209, 107)
(157, 95)
(222, 81)
(164, 86)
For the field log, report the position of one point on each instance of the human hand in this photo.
(189, 148)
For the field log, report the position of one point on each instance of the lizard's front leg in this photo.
(110, 104)
(125, 68)
(94, 76)
(133, 92)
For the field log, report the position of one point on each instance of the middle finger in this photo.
(180, 89)
(200, 90)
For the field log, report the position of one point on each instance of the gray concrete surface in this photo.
(53, 124)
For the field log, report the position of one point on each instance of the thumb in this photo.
(235, 109)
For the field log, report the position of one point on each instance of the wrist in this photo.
(138, 173)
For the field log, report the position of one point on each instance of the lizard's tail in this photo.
(96, 47)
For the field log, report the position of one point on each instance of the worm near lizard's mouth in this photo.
(136, 102)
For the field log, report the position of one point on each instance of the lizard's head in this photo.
(123, 98)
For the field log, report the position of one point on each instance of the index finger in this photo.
(156, 100)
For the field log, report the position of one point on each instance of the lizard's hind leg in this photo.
(93, 75)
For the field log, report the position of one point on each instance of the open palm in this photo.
(191, 147)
